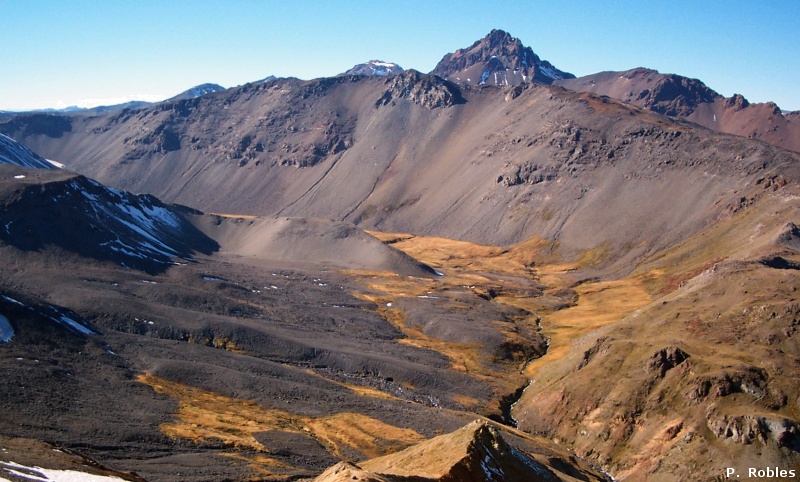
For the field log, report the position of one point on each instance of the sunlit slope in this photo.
(417, 154)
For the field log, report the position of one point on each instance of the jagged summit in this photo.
(498, 59)
(375, 67)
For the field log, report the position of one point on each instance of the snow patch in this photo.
(12, 300)
(553, 74)
(66, 320)
(40, 474)
(6, 330)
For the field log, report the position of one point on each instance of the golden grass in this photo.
(465, 358)
(206, 415)
(515, 274)
(234, 216)
(359, 390)
(263, 466)
(466, 401)
(468, 267)
(599, 304)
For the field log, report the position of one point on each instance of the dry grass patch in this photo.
(463, 357)
(466, 401)
(206, 415)
(234, 216)
(599, 304)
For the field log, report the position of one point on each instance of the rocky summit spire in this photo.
(498, 59)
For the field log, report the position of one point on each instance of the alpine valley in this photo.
(494, 271)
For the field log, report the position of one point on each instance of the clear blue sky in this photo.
(66, 52)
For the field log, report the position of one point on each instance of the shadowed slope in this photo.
(12, 152)
(41, 208)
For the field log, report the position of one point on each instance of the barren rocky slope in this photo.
(417, 154)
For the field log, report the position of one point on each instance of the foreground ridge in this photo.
(475, 453)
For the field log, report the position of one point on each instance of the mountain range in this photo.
(600, 270)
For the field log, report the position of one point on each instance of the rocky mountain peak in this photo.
(736, 102)
(497, 59)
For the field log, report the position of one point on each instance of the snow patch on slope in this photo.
(143, 223)
(39, 474)
(6, 330)
(60, 316)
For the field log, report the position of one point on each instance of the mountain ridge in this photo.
(691, 99)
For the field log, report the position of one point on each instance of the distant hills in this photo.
(192, 93)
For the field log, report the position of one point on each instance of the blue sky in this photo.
(60, 53)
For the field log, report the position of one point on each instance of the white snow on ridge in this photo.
(55, 163)
(6, 330)
(12, 300)
(66, 320)
(39, 474)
